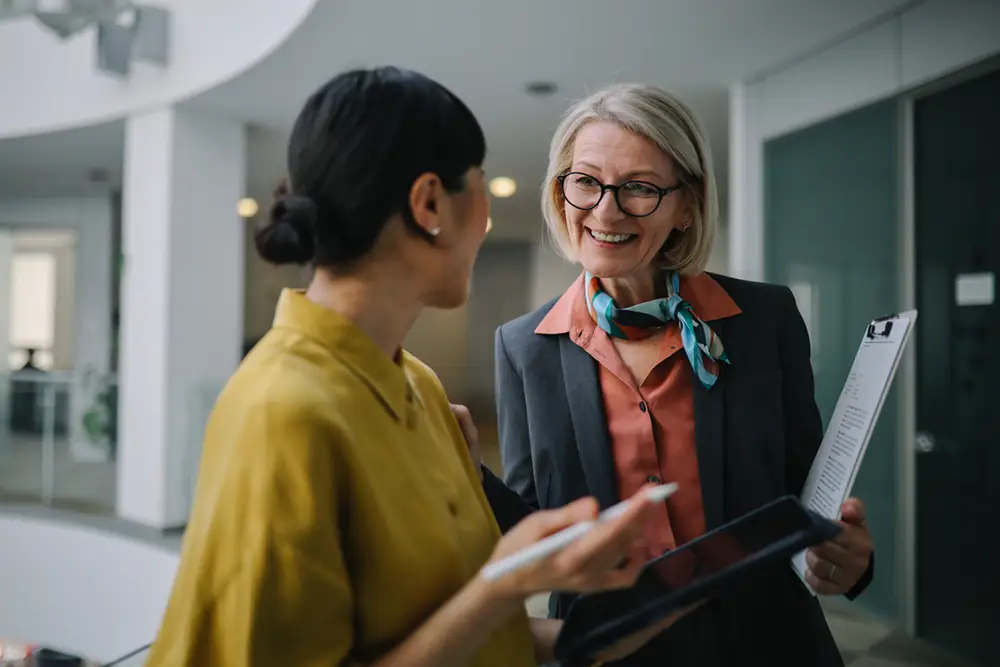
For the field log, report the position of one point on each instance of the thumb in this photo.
(853, 511)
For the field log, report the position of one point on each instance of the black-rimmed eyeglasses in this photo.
(635, 198)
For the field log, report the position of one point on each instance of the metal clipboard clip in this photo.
(880, 327)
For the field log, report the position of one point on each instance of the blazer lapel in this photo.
(709, 416)
(583, 393)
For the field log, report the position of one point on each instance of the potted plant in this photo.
(100, 419)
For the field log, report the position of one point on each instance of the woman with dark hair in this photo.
(338, 518)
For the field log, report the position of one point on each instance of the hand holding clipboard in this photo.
(836, 465)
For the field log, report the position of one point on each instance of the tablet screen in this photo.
(730, 544)
(699, 569)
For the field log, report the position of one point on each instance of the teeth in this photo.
(611, 238)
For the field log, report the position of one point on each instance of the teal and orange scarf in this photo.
(703, 348)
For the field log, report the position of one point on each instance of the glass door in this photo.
(957, 215)
(832, 234)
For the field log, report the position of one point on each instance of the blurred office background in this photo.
(854, 140)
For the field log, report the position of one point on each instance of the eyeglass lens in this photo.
(634, 197)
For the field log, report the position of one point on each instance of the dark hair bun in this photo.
(288, 236)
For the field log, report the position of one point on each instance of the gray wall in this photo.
(501, 291)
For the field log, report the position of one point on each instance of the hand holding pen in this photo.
(575, 548)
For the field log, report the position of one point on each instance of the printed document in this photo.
(839, 458)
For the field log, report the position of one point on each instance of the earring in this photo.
(434, 231)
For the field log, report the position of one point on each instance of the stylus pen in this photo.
(553, 543)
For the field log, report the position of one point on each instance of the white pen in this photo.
(553, 543)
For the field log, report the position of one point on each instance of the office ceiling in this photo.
(488, 53)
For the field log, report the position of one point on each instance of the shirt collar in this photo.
(707, 297)
(387, 378)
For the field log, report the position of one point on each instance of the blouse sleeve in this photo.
(285, 607)
(290, 602)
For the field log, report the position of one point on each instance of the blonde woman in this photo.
(647, 369)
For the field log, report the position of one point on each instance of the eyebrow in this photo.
(630, 176)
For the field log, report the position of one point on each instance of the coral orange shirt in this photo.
(650, 426)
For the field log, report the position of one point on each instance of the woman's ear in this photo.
(424, 200)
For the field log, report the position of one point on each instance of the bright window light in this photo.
(32, 301)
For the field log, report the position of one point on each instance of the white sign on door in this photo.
(974, 289)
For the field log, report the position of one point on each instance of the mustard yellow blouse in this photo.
(336, 509)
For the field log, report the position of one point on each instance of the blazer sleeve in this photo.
(515, 497)
(803, 423)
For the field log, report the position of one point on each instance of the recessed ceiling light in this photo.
(247, 208)
(503, 187)
(541, 88)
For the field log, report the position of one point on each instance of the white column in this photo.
(182, 301)
(6, 255)
(746, 183)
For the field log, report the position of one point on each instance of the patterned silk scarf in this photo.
(703, 348)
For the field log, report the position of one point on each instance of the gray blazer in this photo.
(757, 431)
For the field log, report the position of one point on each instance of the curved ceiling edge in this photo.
(212, 45)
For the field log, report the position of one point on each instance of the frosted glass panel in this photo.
(831, 222)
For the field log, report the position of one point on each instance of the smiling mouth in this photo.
(611, 239)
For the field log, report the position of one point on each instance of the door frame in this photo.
(906, 432)
(906, 429)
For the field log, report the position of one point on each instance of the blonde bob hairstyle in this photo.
(667, 122)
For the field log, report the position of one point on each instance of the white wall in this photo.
(49, 85)
(79, 588)
(922, 43)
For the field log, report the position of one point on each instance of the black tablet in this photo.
(709, 564)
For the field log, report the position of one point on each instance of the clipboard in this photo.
(767, 535)
(839, 458)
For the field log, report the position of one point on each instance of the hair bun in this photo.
(287, 237)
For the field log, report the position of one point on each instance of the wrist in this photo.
(501, 593)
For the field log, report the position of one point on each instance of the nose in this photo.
(607, 211)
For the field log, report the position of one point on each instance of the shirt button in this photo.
(642, 405)
(653, 479)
